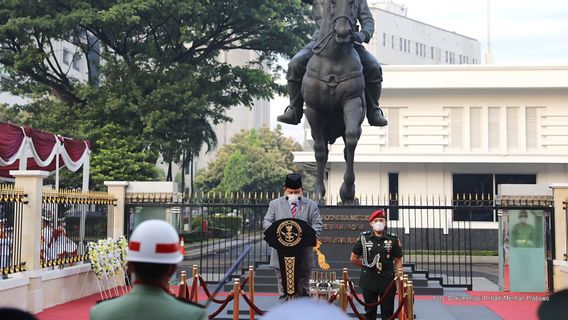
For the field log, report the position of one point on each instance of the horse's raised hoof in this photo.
(347, 193)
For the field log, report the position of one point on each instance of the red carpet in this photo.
(79, 309)
(508, 305)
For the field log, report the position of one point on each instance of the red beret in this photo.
(377, 214)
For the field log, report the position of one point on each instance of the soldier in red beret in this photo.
(378, 254)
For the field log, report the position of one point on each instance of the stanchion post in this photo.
(251, 291)
(400, 290)
(195, 278)
(345, 276)
(410, 301)
(236, 291)
(342, 296)
(183, 286)
(194, 271)
(404, 286)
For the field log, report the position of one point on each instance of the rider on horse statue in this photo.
(371, 69)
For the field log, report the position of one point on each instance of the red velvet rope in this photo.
(244, 282)
(207, 293)
(398, 310)
(355, 311)
(222, 306)
(254, 307)
(374, 304)
(333, 297)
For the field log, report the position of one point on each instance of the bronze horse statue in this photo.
(333, 90)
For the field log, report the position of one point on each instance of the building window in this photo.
(392, 42)
(512, 127)
(66, 56)
(405, 45)
(77, 63)
(447, 56)
(384, 39)
(417, 48)
(400, 43)
(513, 179)
(393, 127)
(481, 186)
(475, 127)
(467, 186)
(531, 128)
(432, 53)
(494, 136)
(456, 127)
(393, 195)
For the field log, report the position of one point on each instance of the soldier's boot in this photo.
(293, 113)
(375, 115)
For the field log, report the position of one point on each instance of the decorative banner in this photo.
(40, 149)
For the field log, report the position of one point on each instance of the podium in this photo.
(290, 238)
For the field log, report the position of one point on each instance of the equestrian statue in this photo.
(339, 81)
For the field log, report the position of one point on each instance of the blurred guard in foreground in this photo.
(153, 255)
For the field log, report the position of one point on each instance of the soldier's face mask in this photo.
(379, 225)
(293, 195)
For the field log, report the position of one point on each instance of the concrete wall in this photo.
(35, 291)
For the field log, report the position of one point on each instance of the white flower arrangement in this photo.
(107, 256)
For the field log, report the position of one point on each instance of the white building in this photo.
(402, 40)
(460, 129)
(244, 118)
(71, 61)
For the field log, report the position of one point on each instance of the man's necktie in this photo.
(293, 210)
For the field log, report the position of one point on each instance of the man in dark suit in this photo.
(294, 205)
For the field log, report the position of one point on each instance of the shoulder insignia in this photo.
(392, 235)
(366, 232)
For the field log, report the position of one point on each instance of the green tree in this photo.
(254, 161)
(162, 80)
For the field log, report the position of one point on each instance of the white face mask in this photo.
(379, 226)
(292, 198)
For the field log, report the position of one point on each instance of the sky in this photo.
(523, 32)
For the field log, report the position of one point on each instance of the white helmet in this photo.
(154, 241)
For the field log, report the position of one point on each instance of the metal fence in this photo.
(71, 219)
(11, 215)
(437, 233)
(215, 227)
